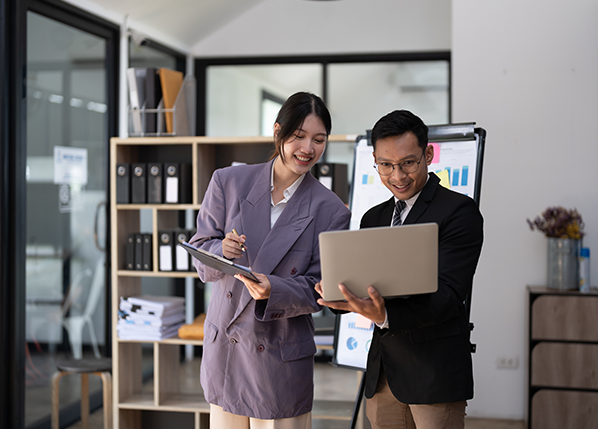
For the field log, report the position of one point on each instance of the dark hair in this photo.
(398, 123)
(292, 114)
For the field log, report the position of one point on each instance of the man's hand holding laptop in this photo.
(372, 308)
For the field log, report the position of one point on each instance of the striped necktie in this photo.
(399, 207)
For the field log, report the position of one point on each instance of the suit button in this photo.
(293, 271)
(260, 348)
(233, 341)
(229, 295)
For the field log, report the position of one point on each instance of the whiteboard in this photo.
(458, 160)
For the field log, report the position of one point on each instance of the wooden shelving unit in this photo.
(130, 397)
(563, 359)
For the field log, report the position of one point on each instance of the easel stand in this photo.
(358, 401)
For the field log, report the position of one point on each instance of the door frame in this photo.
(13, 159)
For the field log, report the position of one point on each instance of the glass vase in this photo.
(563, 263)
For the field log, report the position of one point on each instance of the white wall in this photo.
(527, 72)
(294, 27)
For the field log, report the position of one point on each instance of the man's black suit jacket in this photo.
(426, 353)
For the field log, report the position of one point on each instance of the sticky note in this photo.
(444, 178)
(362, 322)
(436, 147)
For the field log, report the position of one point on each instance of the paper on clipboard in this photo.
(217, 262)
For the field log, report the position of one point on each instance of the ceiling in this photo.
(182, 22)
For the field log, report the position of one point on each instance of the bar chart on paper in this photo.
(459, 160)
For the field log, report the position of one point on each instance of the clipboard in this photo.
(217, 262)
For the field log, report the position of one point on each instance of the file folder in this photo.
(151, 307)
(147, 252)
(183, 259)
(165, 251)
(154, 183)
(130, 253)
(139, 184)
(123, 183)
(334, 177)
(138, 252)
(177, 188)
(171, 82)
(136, 80)
(153, 95)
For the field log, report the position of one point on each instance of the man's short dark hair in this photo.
(398, 123)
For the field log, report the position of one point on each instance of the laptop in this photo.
(397, 261)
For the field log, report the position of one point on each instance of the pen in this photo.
(237, 234)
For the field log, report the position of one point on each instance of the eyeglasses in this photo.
(408, 166)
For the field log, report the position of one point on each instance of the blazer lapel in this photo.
(274, 243)
(255, 225)
(255, 213)
(288, 228)
(387, 211)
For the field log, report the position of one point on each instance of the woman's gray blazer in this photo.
(258, 355)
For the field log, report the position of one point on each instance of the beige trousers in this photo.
(220, 419)
(384, 411)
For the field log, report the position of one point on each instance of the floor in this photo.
(337, 383)
(97, 422)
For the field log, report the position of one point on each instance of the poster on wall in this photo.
(70, 165)
(70, 173)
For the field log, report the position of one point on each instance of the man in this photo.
(419, 370)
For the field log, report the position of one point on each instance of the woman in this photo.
(257, 365)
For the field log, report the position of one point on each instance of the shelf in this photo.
(540, 290)
(173, 340)
(186, 402)
(169, 274)
(169, 393)
(334, 138)
(158, 206)
(140, 401)
(179, 402)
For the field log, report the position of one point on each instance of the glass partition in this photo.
(235, 94)
(66, 205)
(361, 93)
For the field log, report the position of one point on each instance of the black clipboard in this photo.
(217, 262)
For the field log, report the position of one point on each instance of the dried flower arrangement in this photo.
(559, 222)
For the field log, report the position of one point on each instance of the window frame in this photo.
(202, 64)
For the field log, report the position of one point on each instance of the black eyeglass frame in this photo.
(400, 165)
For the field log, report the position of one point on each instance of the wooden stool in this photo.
(100, 367)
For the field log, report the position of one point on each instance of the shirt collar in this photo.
(288, 192)
(411, 201)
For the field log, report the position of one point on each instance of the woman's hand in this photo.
(233, 245)
(259, 290)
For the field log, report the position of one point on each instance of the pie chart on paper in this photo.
(351, 343)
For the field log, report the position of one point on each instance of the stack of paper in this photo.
(150, 318)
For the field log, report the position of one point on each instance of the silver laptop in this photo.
(397, 261)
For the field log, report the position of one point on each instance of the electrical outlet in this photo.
(507, 362)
